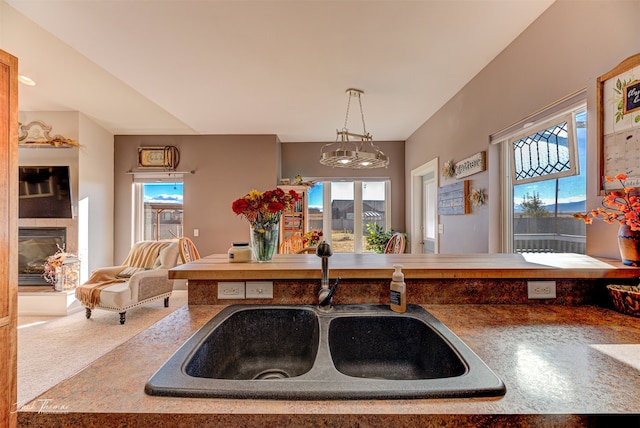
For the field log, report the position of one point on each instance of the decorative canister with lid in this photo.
(240, 252)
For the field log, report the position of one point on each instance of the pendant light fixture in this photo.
(351, 150)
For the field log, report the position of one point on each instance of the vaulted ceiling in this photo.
(255, 67)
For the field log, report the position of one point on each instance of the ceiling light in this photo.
(359, 153)
(26, 80)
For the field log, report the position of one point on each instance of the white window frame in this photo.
(137, 199)
(569, 118)
(571, 105)
(357, 209)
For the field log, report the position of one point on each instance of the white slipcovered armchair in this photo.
(142, 278)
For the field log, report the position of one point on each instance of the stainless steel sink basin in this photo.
(301, 352)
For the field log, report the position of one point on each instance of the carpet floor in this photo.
(52, 349)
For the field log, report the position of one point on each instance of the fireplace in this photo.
(35, 244)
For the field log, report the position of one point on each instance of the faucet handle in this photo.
(324, 249)
(327, 299)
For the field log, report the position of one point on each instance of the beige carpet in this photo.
(51, 349)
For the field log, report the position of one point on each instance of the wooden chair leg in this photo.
(166, 302)
(87, 313)
(122, 315)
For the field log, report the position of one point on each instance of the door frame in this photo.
(415, 234)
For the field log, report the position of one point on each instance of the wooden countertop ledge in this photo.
(415, 266)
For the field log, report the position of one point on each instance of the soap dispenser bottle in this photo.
(398, 291)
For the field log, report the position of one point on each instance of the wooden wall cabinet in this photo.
(8, 238)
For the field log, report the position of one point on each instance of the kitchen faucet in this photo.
(325, 294)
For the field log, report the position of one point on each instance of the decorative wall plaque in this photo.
(471, 165)
(165, 157)
(619, 123)
(454, 198)
(36, 133)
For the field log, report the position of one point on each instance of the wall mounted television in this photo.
(44, 192)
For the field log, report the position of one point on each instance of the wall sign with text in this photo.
(619, 123)
(454, 198)
(631, 97)
(471, 165)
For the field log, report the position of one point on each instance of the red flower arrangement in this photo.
(622, 206)
(311, 238)
(264, 208)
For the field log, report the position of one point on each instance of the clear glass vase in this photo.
(264, 241)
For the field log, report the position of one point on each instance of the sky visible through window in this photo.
(168, 193)
(343, 191)
(571, 190)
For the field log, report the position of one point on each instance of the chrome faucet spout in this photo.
(324, 252)
(324, 284)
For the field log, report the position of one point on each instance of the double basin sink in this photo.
(303, 352)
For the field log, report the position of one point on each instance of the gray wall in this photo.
(566, 49)
(303, 159)
(227, 167)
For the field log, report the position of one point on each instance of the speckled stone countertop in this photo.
(562, 365)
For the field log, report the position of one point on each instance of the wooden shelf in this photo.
(294, 221)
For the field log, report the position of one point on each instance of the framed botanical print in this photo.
(619, 123)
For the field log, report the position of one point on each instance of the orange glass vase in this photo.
(629, 245)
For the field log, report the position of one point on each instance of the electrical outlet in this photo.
(231, 290)
(541, 289)
(259, 290)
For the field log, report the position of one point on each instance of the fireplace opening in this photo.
(34, 246)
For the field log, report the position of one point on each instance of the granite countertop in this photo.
(562, 365)
(415, 266)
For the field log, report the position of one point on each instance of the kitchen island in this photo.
(430, 278)
(563, 364)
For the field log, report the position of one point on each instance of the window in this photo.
(345, 208)
(158, 210)
(545, 153)
(547, 185)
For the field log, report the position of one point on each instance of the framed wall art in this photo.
(619, 123)
(162, 157)
(454, 198)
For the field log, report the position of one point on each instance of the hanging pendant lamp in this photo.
(351, 150)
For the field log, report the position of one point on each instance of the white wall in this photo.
(566, 49)
(66, 125)
(91, 169)
(96, 189)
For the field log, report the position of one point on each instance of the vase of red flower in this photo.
(263, 210)
(264, 241)
(623, 207)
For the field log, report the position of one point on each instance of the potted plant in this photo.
(622, 207)
(377, 237)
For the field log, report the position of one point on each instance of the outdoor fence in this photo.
(549, 235)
